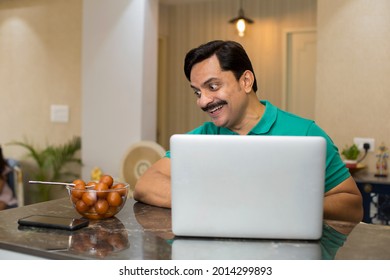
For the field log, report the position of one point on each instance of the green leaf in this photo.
(351, 152)
(53, 162)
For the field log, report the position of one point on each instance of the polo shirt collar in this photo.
(265, 123)
(267, 120)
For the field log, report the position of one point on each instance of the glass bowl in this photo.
(96, 201)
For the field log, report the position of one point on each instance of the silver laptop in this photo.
(267, 187)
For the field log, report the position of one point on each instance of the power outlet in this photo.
(360, 142)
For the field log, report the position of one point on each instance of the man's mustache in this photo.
(213, 105)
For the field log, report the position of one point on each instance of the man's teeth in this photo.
(215, 109)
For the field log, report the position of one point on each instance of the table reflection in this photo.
(218, 249)
(100, 239)
(333, 237)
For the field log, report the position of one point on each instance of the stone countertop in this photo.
(120, 237)
(142, 231)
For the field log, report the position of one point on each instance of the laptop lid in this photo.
(247, 186)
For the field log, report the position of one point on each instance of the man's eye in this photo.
(213, 86)
(197, 93)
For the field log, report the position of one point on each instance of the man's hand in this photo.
(154, 186)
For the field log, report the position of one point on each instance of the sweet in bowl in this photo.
(98, 199)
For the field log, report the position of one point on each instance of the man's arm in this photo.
(344, 202)
(154, 186)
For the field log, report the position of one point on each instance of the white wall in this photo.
(353, 67)
(119, 74)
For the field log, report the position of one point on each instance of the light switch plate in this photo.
(59, 113)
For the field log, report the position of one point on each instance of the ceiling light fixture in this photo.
(241, 21)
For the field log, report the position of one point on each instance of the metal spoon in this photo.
(51, 183)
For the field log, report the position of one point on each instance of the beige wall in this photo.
(40, 65)
(353, 68)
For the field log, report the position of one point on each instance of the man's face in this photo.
(218, 93)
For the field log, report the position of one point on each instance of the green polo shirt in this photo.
(278, 122)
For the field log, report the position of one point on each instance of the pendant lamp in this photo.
(241, 21)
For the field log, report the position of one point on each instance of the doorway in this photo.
(299, 72)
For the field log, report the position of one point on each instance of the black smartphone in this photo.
(53, 222)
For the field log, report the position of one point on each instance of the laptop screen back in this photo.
(247, 186)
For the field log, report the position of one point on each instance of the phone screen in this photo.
(53, 222)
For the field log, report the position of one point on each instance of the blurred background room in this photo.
(110, 73)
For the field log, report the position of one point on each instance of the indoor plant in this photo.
(350, 154)
(53, 163)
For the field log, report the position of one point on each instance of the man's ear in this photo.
(247, 80)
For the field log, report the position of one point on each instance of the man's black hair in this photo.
(231, 56)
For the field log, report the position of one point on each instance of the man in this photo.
(223, 80)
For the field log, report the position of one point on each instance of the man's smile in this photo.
(214, 108)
